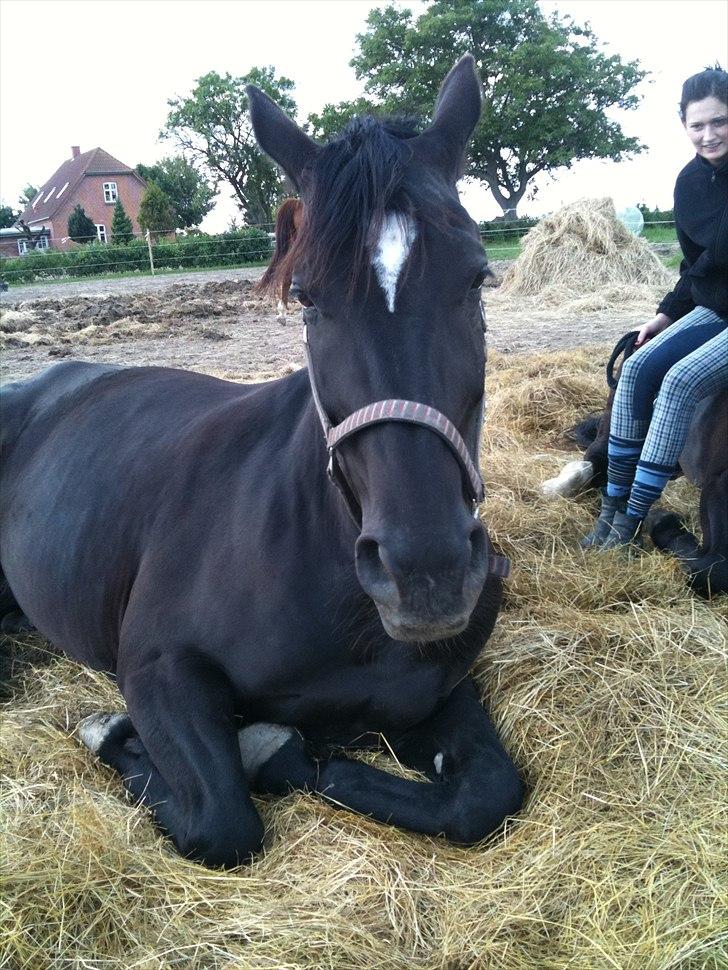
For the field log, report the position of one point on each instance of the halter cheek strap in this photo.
(407, 412)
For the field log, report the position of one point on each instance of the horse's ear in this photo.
(456, 114)
(280, 137)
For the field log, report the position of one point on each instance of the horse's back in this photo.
(51, 390)
(100, 464)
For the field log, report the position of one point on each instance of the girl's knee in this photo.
(679, 384)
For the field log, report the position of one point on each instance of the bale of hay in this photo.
(581, 251)
(606, 680)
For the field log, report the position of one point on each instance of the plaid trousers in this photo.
(659, 388)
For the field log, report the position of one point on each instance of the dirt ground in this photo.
(216, 323)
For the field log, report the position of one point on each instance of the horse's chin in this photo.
(414, 630)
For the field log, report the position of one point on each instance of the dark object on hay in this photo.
(183, 533)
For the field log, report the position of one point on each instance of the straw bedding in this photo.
(607, 681)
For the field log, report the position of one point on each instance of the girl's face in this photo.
(706, 123)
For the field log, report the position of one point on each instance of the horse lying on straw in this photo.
(704, 462)
(183, 532)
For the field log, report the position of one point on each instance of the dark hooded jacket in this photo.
(701, 220)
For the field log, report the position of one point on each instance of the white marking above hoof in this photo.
(281, 312)
(94, 729)
(570, 480)
(259, 742)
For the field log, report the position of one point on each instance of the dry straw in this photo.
(607, 681)
(582, 258)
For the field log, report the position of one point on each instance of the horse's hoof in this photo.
(16, 622)
(259, 742)
(661, 525)
(96, 728)
(570, 481)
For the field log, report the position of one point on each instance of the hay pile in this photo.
(607, 681)
(582, 259)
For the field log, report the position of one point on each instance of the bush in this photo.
(247, 245)
(666, 216)
(498, 230)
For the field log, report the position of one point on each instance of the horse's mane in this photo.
(355, 179)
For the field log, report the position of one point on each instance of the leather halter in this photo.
(407, 412)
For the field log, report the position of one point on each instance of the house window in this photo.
(42, 243)
(49, 195)
(22, 247)
(101, 232)
(110, 193)
(62, 191)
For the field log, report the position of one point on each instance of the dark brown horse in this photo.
(704, 462)
(273, 571)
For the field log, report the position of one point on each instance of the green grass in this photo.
(660, 234)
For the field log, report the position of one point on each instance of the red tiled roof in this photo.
(94, 162)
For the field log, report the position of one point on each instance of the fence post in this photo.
(148, 236)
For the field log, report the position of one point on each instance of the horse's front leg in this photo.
(474, 784)
(177, 751)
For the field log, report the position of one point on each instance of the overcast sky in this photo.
(77, 72)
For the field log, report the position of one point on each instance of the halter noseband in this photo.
(407, 412)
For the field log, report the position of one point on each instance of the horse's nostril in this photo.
(372, 569)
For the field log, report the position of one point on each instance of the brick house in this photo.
(93, 179)
(14, 241)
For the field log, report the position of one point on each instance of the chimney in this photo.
(76, 150)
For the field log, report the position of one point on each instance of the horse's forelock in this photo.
(356, 179)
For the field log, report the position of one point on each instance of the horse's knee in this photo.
(478, 814)
(223, 840)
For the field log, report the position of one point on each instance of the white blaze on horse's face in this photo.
(393, 246)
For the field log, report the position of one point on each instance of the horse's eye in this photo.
(303, 298)
(479, 279)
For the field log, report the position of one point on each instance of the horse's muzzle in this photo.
(425, 591)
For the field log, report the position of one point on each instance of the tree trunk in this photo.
(508, 203)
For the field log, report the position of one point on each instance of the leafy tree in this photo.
(546, 85)
(156, 212)
(189, 191)
(80, 228)
(8, 215)
(122, 230)
(213, 126)
(27, 196)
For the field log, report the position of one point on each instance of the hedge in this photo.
(247, 245)
(498, 230)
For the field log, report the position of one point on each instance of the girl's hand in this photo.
(651, 329)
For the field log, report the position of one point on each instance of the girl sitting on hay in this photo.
(686, 359)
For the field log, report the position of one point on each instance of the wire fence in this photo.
(168, 250)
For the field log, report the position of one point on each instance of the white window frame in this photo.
(22, 247)
(43, 243)
(111, 193)
(101, 232)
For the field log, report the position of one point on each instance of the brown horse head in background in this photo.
(276, 281)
